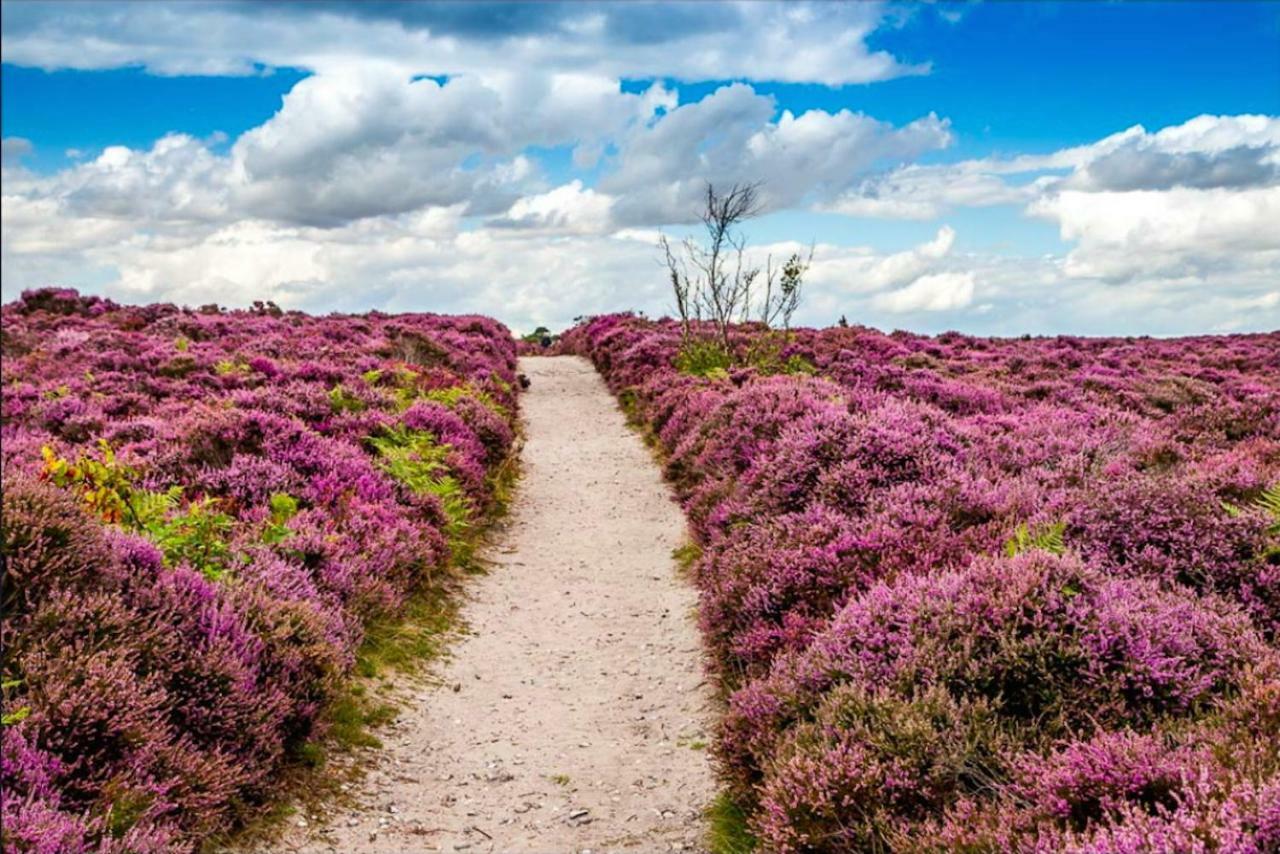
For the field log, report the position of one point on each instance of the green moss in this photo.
(403, 643)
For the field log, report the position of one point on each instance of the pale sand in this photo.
(582, 660)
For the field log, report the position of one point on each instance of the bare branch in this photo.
(715, 280)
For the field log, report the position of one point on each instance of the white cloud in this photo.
(1199, 201)
(927, 192)
(934, 292)
(371, 142)
(727, 137)
(568, 209)
(868, 272)
(1203, 153)
(432, 260)
(1176, 232)
(374, 186)
(686, 41)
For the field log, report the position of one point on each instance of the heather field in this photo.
(628, 426)
(202, 512)
(955, 593)
(972, 594)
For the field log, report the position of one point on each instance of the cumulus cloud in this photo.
(568, 209)
(662, 167)
(433, 260)
(927, 192)
(1176, 232)
(371, 142)
(687, 41)
(868, 272)
(934, 292)
(1234, 152)
(1196, 201)
(1205, 152)
(402, 173)
(356, 144)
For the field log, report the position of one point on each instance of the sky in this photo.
(989, 167)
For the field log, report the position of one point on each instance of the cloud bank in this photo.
(404, 173)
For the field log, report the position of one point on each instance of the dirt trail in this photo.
(573, 714)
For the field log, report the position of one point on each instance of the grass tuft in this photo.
(727, 831)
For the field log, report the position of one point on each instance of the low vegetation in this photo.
(970, 594)
(211, 521)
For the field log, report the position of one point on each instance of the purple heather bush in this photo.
(197, 524)
(980, 594)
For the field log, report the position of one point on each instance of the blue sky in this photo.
(1012, 77)
(192, 125)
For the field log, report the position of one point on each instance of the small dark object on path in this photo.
(524, 381)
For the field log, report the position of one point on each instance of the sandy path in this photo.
(574, 711)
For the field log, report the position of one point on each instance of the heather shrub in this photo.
(770, 586)
(196, 529)
(1037, 646)
(48, 544)
(979, 594)
(1042, 636)
(1180, 532)
(868, 765)
(1211, 786)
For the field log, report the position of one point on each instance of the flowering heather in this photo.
(980, 594)
(202, 509)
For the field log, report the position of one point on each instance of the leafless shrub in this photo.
(714, 281)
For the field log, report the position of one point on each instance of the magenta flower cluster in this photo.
(981, 594)
(202, 509)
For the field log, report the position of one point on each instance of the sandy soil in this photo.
(573, 714)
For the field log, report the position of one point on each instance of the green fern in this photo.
(453, 394)
(343, 401)
(415, 459)
(1048, 538)
(17, 715)
(1269, 502)
(150, 508)
(700, 358)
